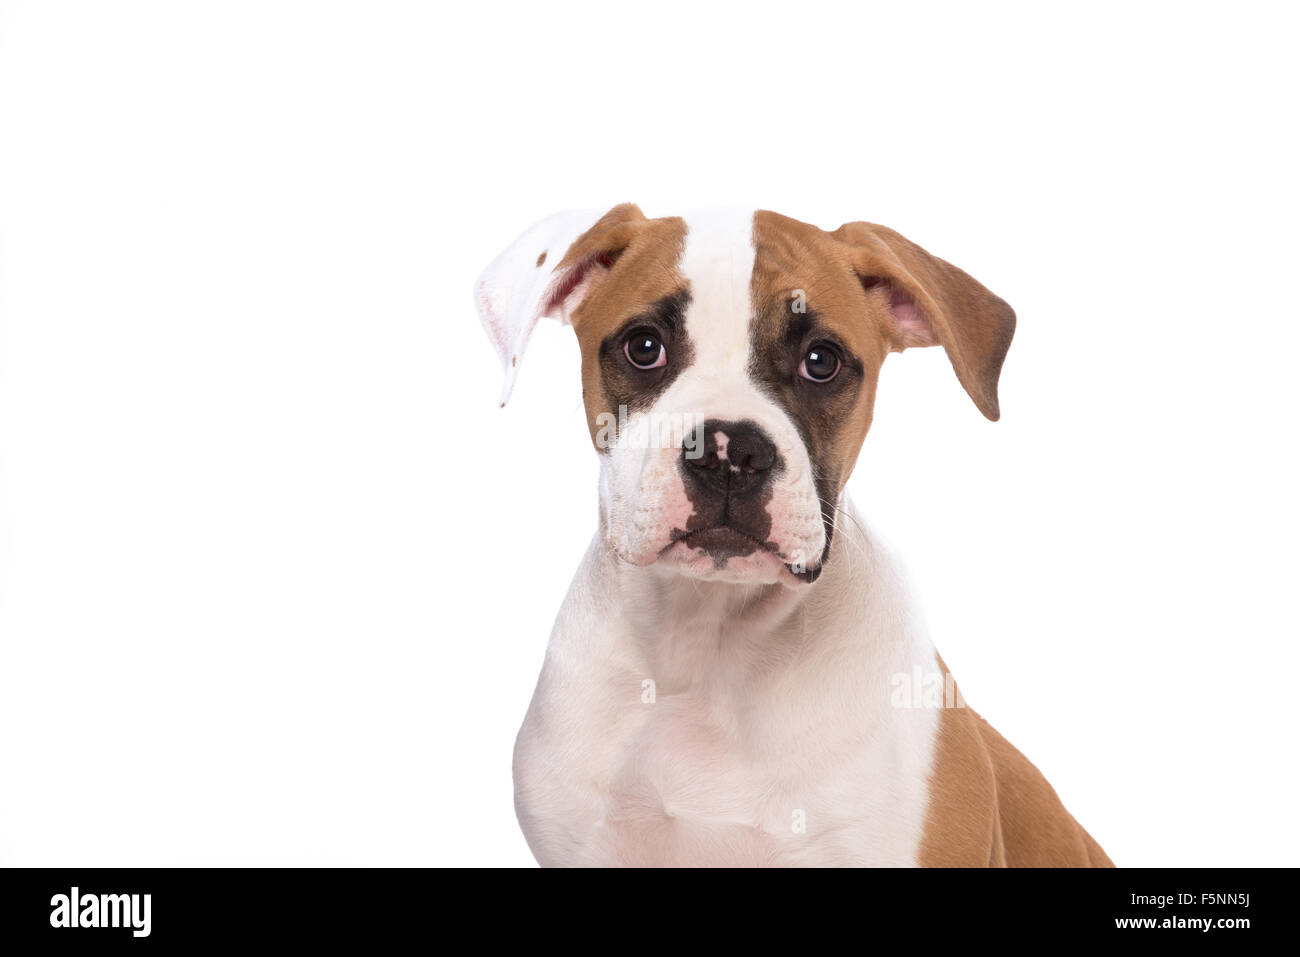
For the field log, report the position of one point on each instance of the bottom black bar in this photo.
(644, 910)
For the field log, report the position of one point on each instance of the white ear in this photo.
(517, 288)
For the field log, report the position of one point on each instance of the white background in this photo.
(277, 574)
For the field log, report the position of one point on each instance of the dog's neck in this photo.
(692, 631)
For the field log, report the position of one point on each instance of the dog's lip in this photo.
(720, 536)
(725, 536)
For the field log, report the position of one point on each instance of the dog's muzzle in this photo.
(729, 481)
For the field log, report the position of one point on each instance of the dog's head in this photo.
(729, 368)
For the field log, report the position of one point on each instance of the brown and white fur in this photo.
(722, 682)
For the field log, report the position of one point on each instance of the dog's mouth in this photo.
(724, 542)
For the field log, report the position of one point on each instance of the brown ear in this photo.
(932, 302)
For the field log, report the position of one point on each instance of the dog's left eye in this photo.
(820, 363)
(645, 350)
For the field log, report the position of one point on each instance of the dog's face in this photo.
(729, 369)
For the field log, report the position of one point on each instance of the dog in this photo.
(722, 683)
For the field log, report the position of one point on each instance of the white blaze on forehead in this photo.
(718, 262)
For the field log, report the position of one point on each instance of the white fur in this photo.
(769, 702)
(511, 293)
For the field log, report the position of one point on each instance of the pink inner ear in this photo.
(573, 285)
(913, 327)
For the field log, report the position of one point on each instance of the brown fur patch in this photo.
(625, 268)
(990, 807)
(542, 258)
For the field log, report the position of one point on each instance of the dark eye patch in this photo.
(779, 339)
(802, 331)
(626, 385)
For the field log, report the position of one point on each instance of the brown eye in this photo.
(645, 350)
(820, 363)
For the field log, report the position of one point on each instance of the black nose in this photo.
(734, 458)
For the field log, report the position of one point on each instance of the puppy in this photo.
(724, 684)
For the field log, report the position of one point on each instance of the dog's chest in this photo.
(685, 781)
(688, 789)
(707, 738)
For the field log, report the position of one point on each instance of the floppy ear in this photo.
(932, 302)
(546, 272)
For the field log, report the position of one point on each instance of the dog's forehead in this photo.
(718, 265)
(718, 380)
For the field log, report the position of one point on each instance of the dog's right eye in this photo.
(645, 350)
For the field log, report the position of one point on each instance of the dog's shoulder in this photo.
(989, 806)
